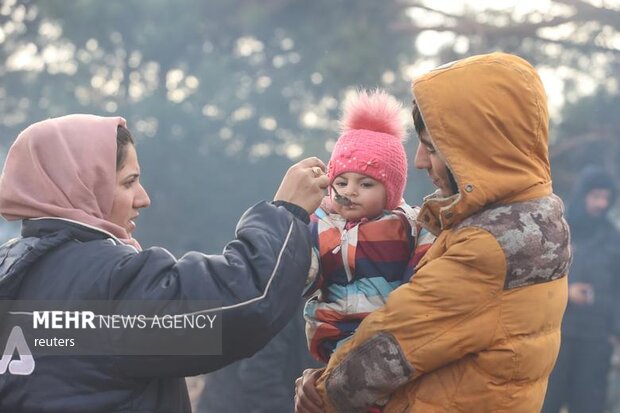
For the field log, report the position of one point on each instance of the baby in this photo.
(366, 241)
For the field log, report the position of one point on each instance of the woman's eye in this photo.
(430, 149)
(128, 184)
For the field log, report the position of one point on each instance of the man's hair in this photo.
(123, 139)
(418, 122)
(420, 127)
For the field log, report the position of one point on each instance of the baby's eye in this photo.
(367, 184)
(341, 184)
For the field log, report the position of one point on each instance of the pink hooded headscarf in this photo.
(64, 168)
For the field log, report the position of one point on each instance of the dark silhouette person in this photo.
(592, 318)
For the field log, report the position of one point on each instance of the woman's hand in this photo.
(303, 184)
(307, 399)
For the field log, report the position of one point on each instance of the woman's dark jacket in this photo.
(257, 281)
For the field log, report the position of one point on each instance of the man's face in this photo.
(597, 201)
(427, 157)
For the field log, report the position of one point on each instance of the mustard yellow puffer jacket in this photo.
(477, 329)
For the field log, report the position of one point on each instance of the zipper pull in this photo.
(343, 238)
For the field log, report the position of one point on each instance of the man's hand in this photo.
(307, 399)
(303, 184)
(580, 293)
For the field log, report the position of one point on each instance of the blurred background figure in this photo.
(591, 323)
(613, 396)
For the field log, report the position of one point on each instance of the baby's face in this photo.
(367, 195)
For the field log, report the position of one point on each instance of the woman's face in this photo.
(129, 195)
(368, 196)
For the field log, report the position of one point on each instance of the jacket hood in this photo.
(487, 116)
(591, 177)
(39, 236)
(17, 256)
(583, 224)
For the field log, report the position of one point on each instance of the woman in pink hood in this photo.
(74, 181)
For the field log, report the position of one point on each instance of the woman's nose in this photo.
(142, 200)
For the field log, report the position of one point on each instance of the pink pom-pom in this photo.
(375, 111)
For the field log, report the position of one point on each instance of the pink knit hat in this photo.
(371, 143)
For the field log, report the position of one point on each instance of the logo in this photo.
(23, 366)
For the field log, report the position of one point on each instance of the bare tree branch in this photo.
(468, 26)
(573, 142)
(590, 12)
(584, 47)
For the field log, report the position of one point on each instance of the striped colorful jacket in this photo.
(355, 267)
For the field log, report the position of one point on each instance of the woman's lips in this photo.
(131, 224)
